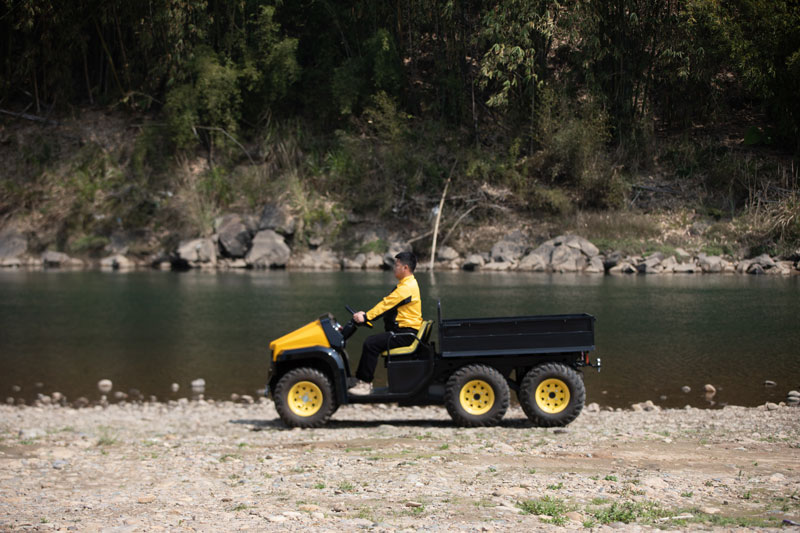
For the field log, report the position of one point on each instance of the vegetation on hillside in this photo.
(542, 108)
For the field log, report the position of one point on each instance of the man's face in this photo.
(400, 270)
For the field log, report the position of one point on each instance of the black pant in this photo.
(375, 344)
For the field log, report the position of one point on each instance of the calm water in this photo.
(146, 330)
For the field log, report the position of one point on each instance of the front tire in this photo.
(552, 394)
(304, 398)
(476, 395)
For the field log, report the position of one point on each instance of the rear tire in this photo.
(476, 395)
(552, 394)
(304, 398)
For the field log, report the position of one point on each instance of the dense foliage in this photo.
(557, 99)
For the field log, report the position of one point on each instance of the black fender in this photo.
(324, 359)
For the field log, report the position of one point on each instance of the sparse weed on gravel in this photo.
(552, 507)
(629, 511)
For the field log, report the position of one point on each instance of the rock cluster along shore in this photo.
(232, 467)
(268, 242)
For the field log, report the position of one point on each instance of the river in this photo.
(63, 331)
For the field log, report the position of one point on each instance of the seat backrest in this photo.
(424, 333)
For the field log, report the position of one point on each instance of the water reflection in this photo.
(147, 330)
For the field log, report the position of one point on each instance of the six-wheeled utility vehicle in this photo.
(470, 371)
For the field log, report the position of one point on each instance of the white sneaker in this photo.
(362, 388)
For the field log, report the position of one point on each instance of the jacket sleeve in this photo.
(399, 296)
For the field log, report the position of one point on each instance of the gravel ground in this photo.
(198, 466)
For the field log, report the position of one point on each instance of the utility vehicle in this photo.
(471, 370)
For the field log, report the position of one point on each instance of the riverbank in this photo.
(209, 467)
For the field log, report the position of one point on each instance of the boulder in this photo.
(595, 265)
(356, 263)
(743, 265)
(545, 251)
(668, 264)
(473, 262)
(12, 244)
(52, 259)
(613, 259)
(533, 262)
(116, 262)
(373, 261)
(319, 259)
(623, 267)
(682, 254)
(198, 251)
(498, 266)
(510, 249)
(685, 268)
(567, 259)
(235, 236)
(269, 250)
(579, 243)
(10, 262)
(446, 253)
(764, 260)
(277, 218)
(711, 263)
(755, 269)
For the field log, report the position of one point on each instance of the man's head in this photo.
(404, 264)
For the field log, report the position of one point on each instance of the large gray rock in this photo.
(711, 263)
(498, 266)
(533, 262)
(567, 259)
(52, 259)
(12, 244)
(116, 262)
(473, 262)
(445, 253)
(510, 249)
(545, 251)
(198, 251)
(356, 263)
(686, 268)
(579, 243)
(319, 259)
(373, 261)
(278, 218)
(235, 236)
(595, 266)
(764, 260)
(269, 250)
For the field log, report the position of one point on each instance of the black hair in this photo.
(408, 259)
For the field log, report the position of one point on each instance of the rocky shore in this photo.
(268, 242)
(202, 466)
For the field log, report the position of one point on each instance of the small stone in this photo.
(309, 507)
(31, 433)
(57, 397)
(710, 388)
(105, 386)
(147, 498)
(574, 516)
(277, 518)
(174, 387)
(234, 397)
(769, 383)
(15, 388)
(318, 516)
(246, 398)
(198, 384)
(771, 406)
(710, 510)
(10, 400)
(686, 389)
(413, 504)
(793, 394)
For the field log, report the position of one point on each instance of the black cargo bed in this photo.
(519, 335)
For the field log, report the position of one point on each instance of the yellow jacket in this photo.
(405, 300)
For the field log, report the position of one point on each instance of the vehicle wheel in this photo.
(304, 398)
(476, 395)
(552, 394)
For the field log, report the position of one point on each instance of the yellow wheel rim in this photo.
(552, 395)
(305, 398)
(477, 397)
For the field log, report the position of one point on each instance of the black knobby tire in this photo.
(476, 395)
(304, 398)
(552, 394)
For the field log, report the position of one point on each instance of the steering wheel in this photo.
(352, 312)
